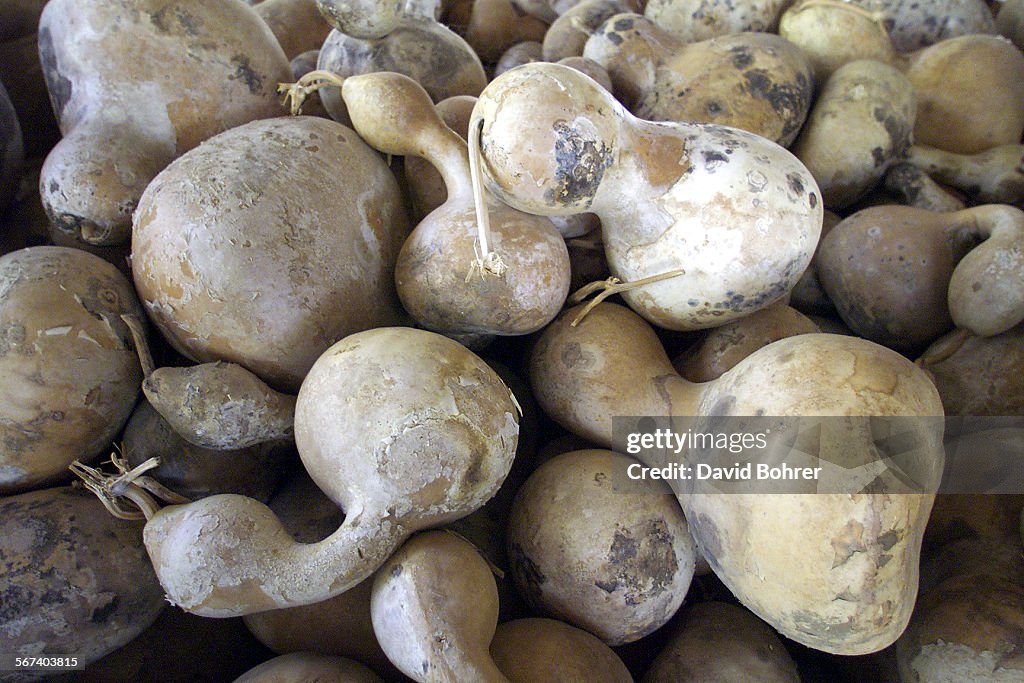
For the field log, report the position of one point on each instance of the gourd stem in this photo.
(127, 485)
(295, 94)
(613, 285)
(486, 260)
(943, 350)
(138, 333)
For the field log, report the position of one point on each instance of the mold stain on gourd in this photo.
(642, 561)
(790, 101)
(59, 87)
(580, 165)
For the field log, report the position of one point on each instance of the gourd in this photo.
(309, 666)
(404, 38)
(68, 361)
(267, 270)
(909, 185)
(916, 24)
(568, 33)
(861, 123)
(587, 548)
(691, 21)
(453, 275)
(298, 25)
(902, 276)
(757, 82)
(669, 196)
(135, 84)
(402, 428)
(533, 649)
(832, 571)
(994, 176)
(435, 608)
(720, 641)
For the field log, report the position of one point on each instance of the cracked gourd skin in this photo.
(433, 273)
(737, 213)
(234, 264)
(136, 83)
(69, 366)
(402, 428)
(832, 571)
(757, 82)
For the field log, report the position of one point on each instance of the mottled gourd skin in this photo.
(757, 82)
(265, 245)
(695, 20)
(737, 213)
(69, 365)
(74, 579)
(134, 84)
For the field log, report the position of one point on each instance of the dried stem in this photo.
(295, 94)
(138, 332)
(941, 351)
(612, 285)
(487, 261)
(129, 494)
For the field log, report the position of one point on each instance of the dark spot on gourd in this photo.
(713, 159)
(812, 199)
(607, 586)
(714, 108)
(614, 38)
(741, 56)
(100, 615)
(623, 24)
(878, 156)
(795, 183)
(527, 571)
(59, 87)
(722, 407)
(245, 72)
(642, 560)
(396, 571)
(897, 128)
(888, 540)
(581, 163)
(790, 101)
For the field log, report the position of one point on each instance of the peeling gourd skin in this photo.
(754, 81)
(73, 579)
(737, 213)
(71, 372)
(134, 84)
(424, 50)
(402, 428)
(834, 572)
(234, 263)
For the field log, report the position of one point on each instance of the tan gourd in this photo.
(495, 25)
(969, 89)
(668, 195)
(220, 405)
(435, 608)
(298, 25)
(299, 667)
(402, 37)
(807, 296)
(995, 176)
(718, 641)
(454, 274)
(979, 375)
(403, 428)
(136, 84)
(545, 10)
(68, 362)
(861, 123)
(723, 347)
(519, 54)
(832, 571)
(754, 81)
(587, 548)
(267, 270)
(691, 20)
(568, 34)
(534, 649)
(902, 276)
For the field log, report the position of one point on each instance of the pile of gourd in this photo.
(295, 335)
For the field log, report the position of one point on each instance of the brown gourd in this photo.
(757, 82)
(902, 276)
(404, 429)
(832, 571)
(135, 84)
(668, 195)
